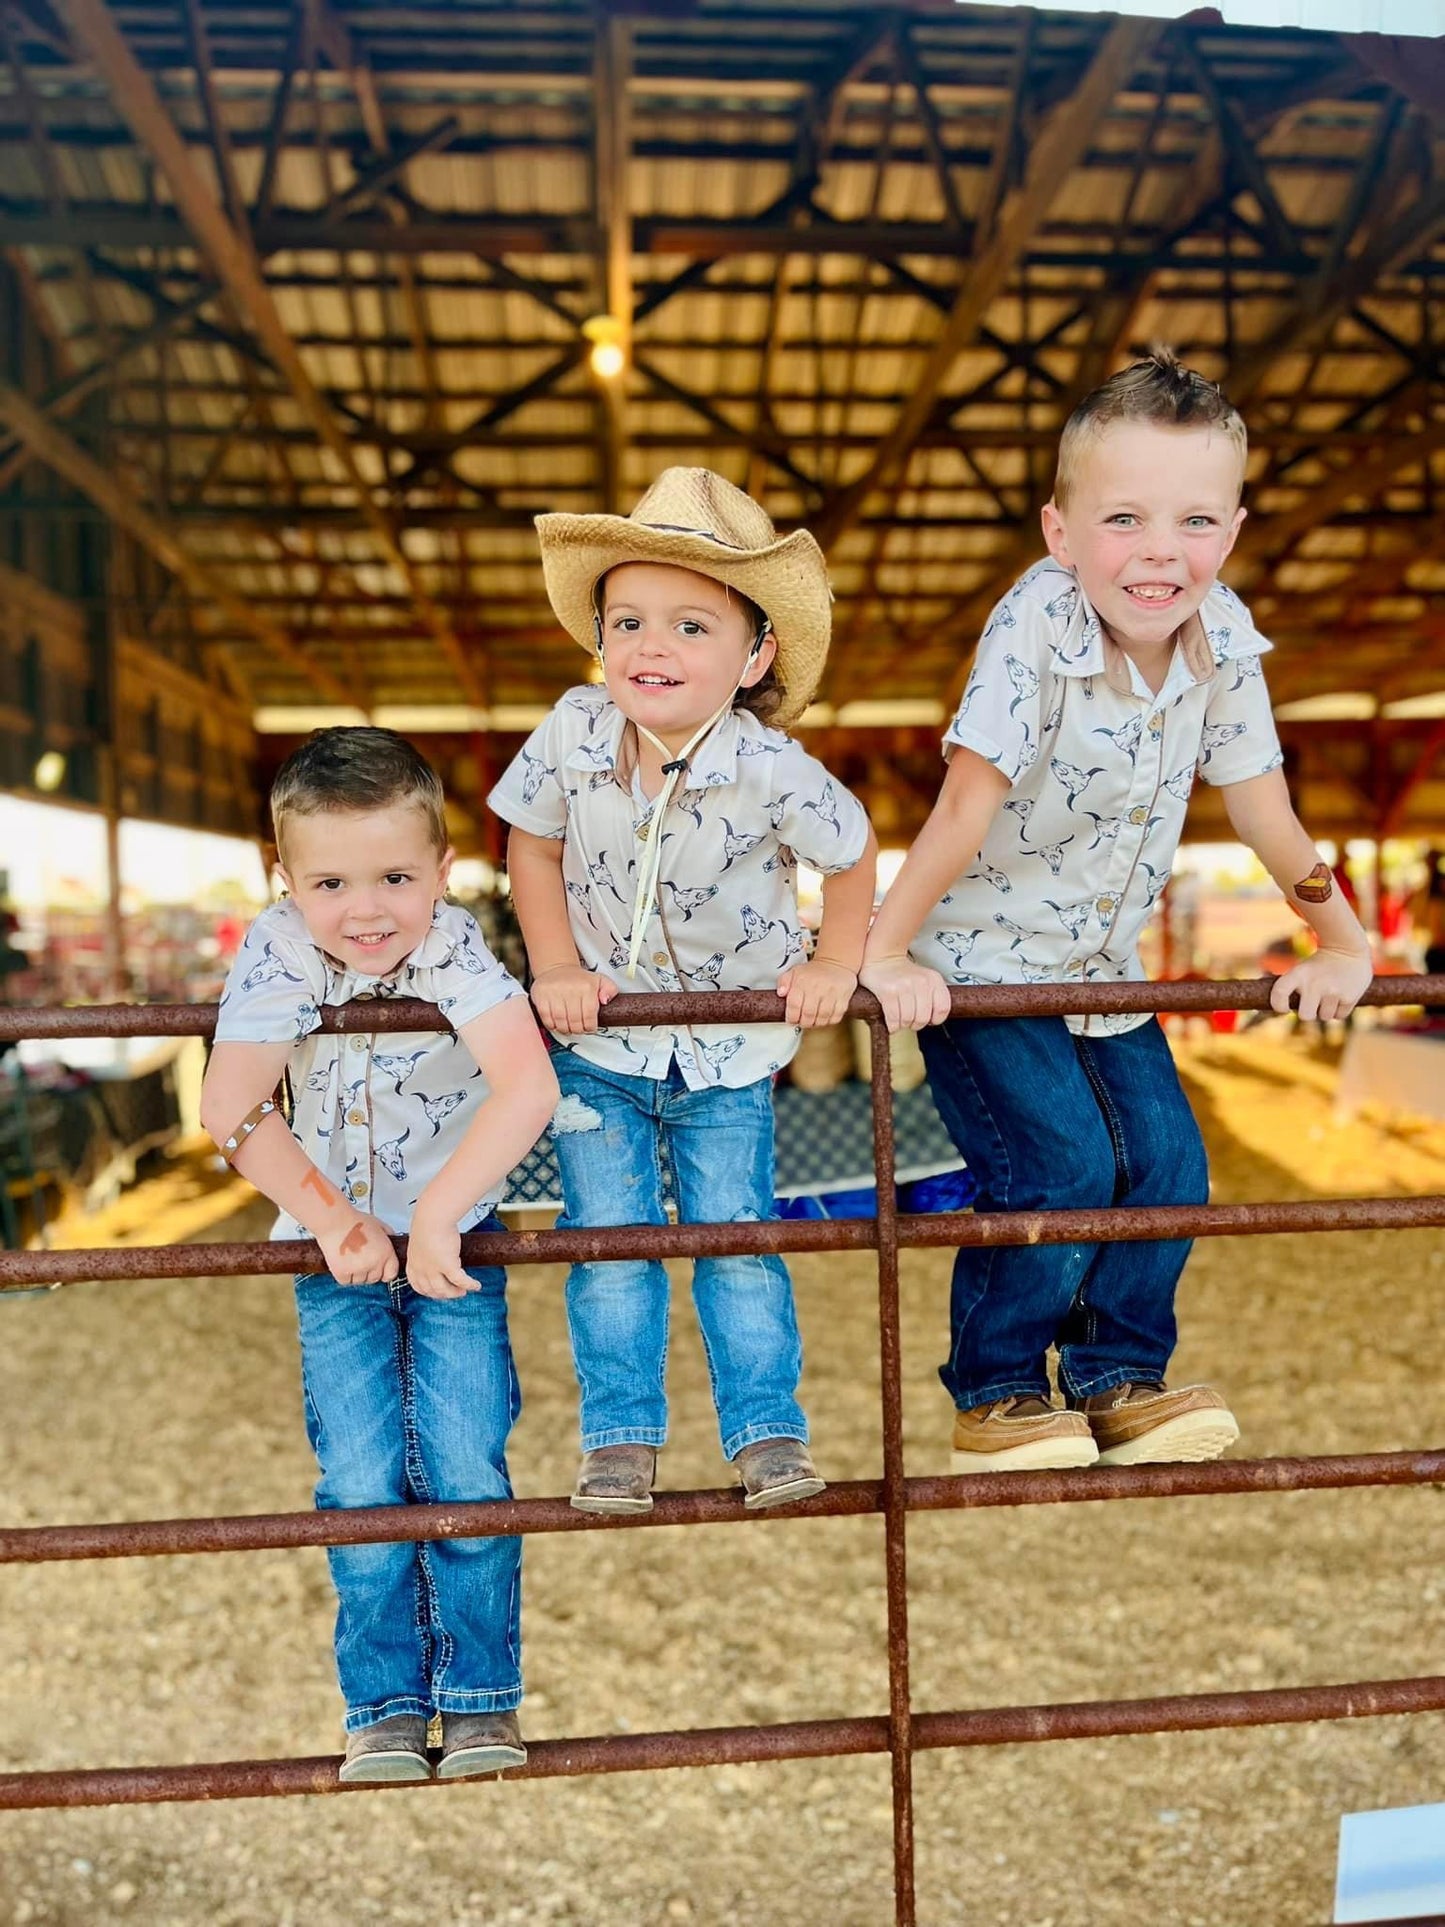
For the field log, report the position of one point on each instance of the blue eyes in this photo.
(1194, 523)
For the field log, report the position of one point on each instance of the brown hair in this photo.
(357, 768)
(766, 696)
(1160, 390)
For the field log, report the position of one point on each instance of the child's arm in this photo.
(1330, 983)
(913, 996)
(566, 994)
(357, 1247)
(818, 990)
(522, 1095)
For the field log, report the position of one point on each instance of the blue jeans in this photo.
(409, 1400)
(610, 1130)
(1048, 1121)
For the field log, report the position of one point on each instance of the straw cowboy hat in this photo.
(696, 520)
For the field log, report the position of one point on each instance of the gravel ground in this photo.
(150, 1399)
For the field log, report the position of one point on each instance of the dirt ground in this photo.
(141, 1400)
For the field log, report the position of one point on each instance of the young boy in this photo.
(409, 1383)
(657, 821)
(1105, 678)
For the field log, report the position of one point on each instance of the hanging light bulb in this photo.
(49, 771)
(608, 357)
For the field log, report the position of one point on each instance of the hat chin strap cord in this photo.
(673, 767)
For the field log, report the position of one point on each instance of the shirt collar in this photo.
(714, 761)
(1220, 630)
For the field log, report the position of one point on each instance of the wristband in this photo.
(231, 1145)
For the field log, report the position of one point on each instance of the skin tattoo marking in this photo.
(1317, 887)
(313, 1181)
(354, 1239)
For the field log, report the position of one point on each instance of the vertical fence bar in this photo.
(895, 1497)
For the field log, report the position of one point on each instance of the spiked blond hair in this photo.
(1159, 389)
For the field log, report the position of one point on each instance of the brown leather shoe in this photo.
(1020, 1435)
(474, 1743)
(616, 1478)
(1147, 1424)
(386, 1752)
(776, 1472)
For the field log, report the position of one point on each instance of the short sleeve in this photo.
(529, 792)
(823, 823)
(471, 981)
(273, 991)
(1001, 715)
(1239, 739)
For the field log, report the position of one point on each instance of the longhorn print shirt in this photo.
(378, 1112)
(1101, 768)
(750, 805)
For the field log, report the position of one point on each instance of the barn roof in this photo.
(318, 275)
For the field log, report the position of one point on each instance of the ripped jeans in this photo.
(610, 1131)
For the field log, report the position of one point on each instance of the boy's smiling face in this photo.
(1151, 514)
(675, 645)
(365, 881)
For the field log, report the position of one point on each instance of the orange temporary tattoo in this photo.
(354, 1239)
(313, 1181)
(1317, 887)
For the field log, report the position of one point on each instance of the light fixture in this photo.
(49, 771)
(608, 357)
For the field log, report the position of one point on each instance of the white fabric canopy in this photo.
(1414, 17)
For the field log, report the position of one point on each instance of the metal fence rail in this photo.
(904, 1731)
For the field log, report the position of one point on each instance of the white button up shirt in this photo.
(378, 1113)
(1101, 768)
(751, 802)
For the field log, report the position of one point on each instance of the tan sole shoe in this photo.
(1151, 1425)
(1021, 1435)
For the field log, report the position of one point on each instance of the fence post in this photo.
(895, 1496)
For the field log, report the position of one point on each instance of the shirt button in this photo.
(358, 1043)
(360, 1188)
(1106, 904)
(661, 958)
(1139, 814)
(356, 1117)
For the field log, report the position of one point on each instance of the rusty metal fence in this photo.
(903, 1731)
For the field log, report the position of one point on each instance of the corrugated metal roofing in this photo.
(794, 257)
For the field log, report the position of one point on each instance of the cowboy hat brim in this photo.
(787, 579)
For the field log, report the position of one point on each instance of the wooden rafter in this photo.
(1241, 151)
(794, 239)
(1055, 153)
(238, 268)
(1324, 298)
(1360, 480)
(55, 448)
(611, 177)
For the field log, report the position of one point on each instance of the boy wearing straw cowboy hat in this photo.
(657, 820)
